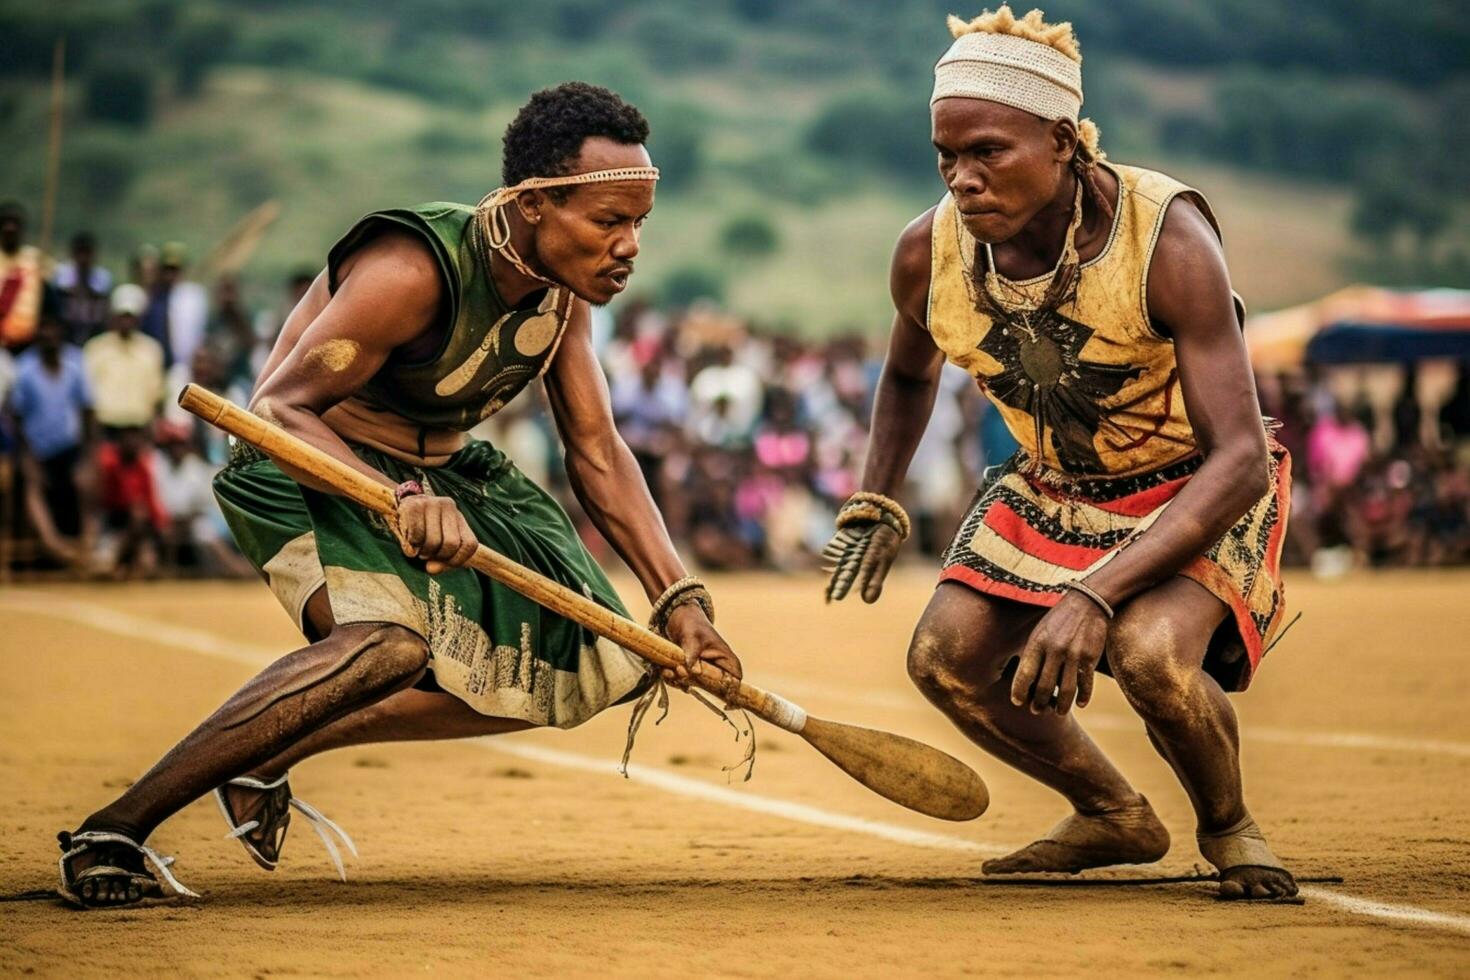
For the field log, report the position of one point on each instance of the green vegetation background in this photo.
(1331, 135)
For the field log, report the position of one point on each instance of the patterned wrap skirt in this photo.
(1026, 536)
(491, 647)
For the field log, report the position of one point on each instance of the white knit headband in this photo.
(1013, 71)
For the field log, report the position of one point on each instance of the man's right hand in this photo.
(860, 557)
(433, 529)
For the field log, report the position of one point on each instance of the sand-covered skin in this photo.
(474, 860)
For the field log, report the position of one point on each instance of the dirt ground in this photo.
(529, 855)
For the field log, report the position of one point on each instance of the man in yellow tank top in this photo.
(1138, 529)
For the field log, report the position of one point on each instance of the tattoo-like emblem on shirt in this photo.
(1043, 374)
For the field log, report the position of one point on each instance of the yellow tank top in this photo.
(1091, 389)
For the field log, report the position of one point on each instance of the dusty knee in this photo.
(1152, 662)
(944, 668)
(924, 660)
(388, 649)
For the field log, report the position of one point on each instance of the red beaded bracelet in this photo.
(408, 488)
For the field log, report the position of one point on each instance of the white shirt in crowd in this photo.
(65, 277)
(188, 314)
(7, 375)
(126, 374)
(186, 491)
(742, 390)
(216, 443)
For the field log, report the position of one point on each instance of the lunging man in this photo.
(425, 321)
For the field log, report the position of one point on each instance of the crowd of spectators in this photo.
(749, 438)
(101, 473)
(1376, 483)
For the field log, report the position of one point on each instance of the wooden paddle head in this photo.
(909, 773)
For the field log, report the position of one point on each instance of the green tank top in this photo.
(490, 351)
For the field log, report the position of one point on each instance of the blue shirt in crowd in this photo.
(50, 405)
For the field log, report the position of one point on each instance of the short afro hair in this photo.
(547, 134)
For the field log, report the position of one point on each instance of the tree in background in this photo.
(120, 91)
(750, 236)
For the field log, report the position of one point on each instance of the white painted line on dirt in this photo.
(188, 638)
(135, 627)
(105, 619)
(1102, 721)
(803, 813)
(1350, 740)
(685, 786)
(1393, 913)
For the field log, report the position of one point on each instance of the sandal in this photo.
(1240, 848)
(119, 877)
(264, 835)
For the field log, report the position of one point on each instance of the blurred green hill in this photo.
(1329, 135)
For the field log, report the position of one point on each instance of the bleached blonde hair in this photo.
(1033, 27)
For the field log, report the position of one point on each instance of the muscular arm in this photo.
(317, 296)
(602, 471)
(910, 377)
(611, 489)
(861, 557)
(1189, 297)
(390, 292)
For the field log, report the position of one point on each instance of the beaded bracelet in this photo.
(696, 596)
(688, 589)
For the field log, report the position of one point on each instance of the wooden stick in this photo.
(53, 145)
(907, 772)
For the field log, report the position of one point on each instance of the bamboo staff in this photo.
(907, 772)
(53, 145)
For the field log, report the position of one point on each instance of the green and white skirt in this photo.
(491, 647)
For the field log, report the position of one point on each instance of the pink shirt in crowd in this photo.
(1337, 450)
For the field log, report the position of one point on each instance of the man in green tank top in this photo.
(425, 321)
(1092, 305)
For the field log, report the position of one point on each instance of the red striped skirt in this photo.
(1023, 539)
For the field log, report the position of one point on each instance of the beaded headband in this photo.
(490, 212)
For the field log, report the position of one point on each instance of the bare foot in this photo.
(1131, 835)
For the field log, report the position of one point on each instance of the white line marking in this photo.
(685, 786)
(1350, 740)
(1102, 721)
(801, 812)
(188, 638)
(119, 623)
(1393, 913)
(138, 628)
